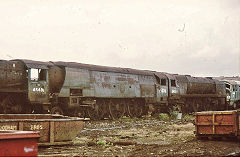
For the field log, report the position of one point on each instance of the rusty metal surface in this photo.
(147, 90)
(35, 64)
(75, 78)
(12, 75)
(56, 76)
(161, 89)
(220, 87)
(52, 129)
(183, 83)
(196, 85)
(115, 85)
(38, 92)
(103, 81)
(103, 68)
(170, 76)
(199, 85)
(173, 90)
(29, 116)
(216, 123)
(160, 75)
(68, 133)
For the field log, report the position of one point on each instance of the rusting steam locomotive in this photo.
(83, 90)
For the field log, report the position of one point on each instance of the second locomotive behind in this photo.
(83, 90)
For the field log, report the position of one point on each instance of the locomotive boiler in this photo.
(201, 94)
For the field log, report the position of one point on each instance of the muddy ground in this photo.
(142, 137)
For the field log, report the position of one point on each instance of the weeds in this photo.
(157, 134)
(163, 117)
(103, 143)
(173, 115)
(188, 118)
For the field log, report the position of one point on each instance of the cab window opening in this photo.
(158, 80)
(43, 75)
(173, 83)
(38, 74)
(163, 82)
(34, 74)
(228, 86)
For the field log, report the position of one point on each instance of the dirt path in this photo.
(141, 137)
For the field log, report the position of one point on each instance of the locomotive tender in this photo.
(83, 90)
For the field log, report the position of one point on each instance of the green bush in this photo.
(163, 117)
(103, 143)
(188, 118)
(173, 115)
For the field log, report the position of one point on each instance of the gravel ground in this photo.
(142, 137)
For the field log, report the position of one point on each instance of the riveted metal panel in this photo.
(75, 78)
(147, 85)
(38, 92)
(117, 85)
(147, 90)
(146, 79)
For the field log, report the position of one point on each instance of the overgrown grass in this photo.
(103, 143)
(127, 119)
(174, 116)
(163, 117)
(188, 118)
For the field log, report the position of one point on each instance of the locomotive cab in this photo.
(161, 87)
(233, 93)
(38, 91)
(38, 81)
(173, 91)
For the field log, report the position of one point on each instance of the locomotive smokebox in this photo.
(56, 78)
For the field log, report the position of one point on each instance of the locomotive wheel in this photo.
(135, 110)
(56, 110)
(116, 110)
(5, 107)
(79, 113)
(8, 105)
(95, 112)
(195, 107)
(234, 106)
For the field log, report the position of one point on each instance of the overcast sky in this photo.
(197, 37)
